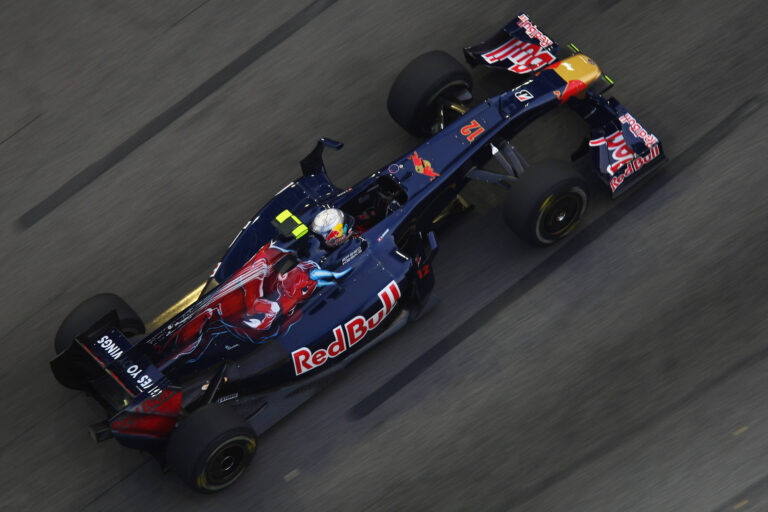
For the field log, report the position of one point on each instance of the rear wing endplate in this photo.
(142, 404)
(103, 360)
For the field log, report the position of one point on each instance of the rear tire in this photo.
(546, 203)
(90, 311)
(412, 101)
(211, 448)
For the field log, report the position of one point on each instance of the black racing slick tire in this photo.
(211, 448)
(546, 203)
(90, 311)
(427, 78)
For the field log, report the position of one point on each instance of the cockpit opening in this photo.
(375, 202)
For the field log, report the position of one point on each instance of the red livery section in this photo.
(256, 303)
(347, 336)
(154, 417)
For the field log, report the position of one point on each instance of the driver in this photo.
(333, 226)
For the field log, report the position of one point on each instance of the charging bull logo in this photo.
(254, 304)
(422, 166)
(347, 336)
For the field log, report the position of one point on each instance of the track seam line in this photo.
(187, 15)
(159, 123)
(20, 129)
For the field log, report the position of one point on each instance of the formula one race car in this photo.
(320, 274)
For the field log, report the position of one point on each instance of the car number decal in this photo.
(472, 130)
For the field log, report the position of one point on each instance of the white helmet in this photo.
(332, 226)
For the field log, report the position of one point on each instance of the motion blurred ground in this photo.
(630, 377)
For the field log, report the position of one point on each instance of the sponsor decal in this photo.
(349, 257)
(522, 95)
(110, 347)
(525, 57)
(338, 231)
(422, 166)
(144, 382)
(150, 404)
(618, 151)
(472, 130)
(633, 166)
(346, 336)
(394, 168)
(531, 31)
(638, 131)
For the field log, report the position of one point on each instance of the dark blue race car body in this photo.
(282, 309)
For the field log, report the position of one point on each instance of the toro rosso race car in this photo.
(320, 274)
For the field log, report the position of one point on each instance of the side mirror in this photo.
(334, 144)
(313, 162)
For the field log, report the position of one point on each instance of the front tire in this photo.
(211, 448)
(547, 202)
(414, 98)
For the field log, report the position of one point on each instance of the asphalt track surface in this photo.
(622, 370)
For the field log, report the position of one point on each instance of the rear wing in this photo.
(519, 47)
(140, 401)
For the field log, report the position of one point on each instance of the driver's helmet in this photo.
(332, 226)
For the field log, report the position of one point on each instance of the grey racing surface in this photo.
(623, 369)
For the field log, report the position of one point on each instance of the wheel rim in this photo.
(227, 462)
(434, 106)
(560, 214)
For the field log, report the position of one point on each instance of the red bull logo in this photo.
(618, 151)
(338, 230)
(422, 166)
(348, 335)
(525, 57)
(633, 166)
